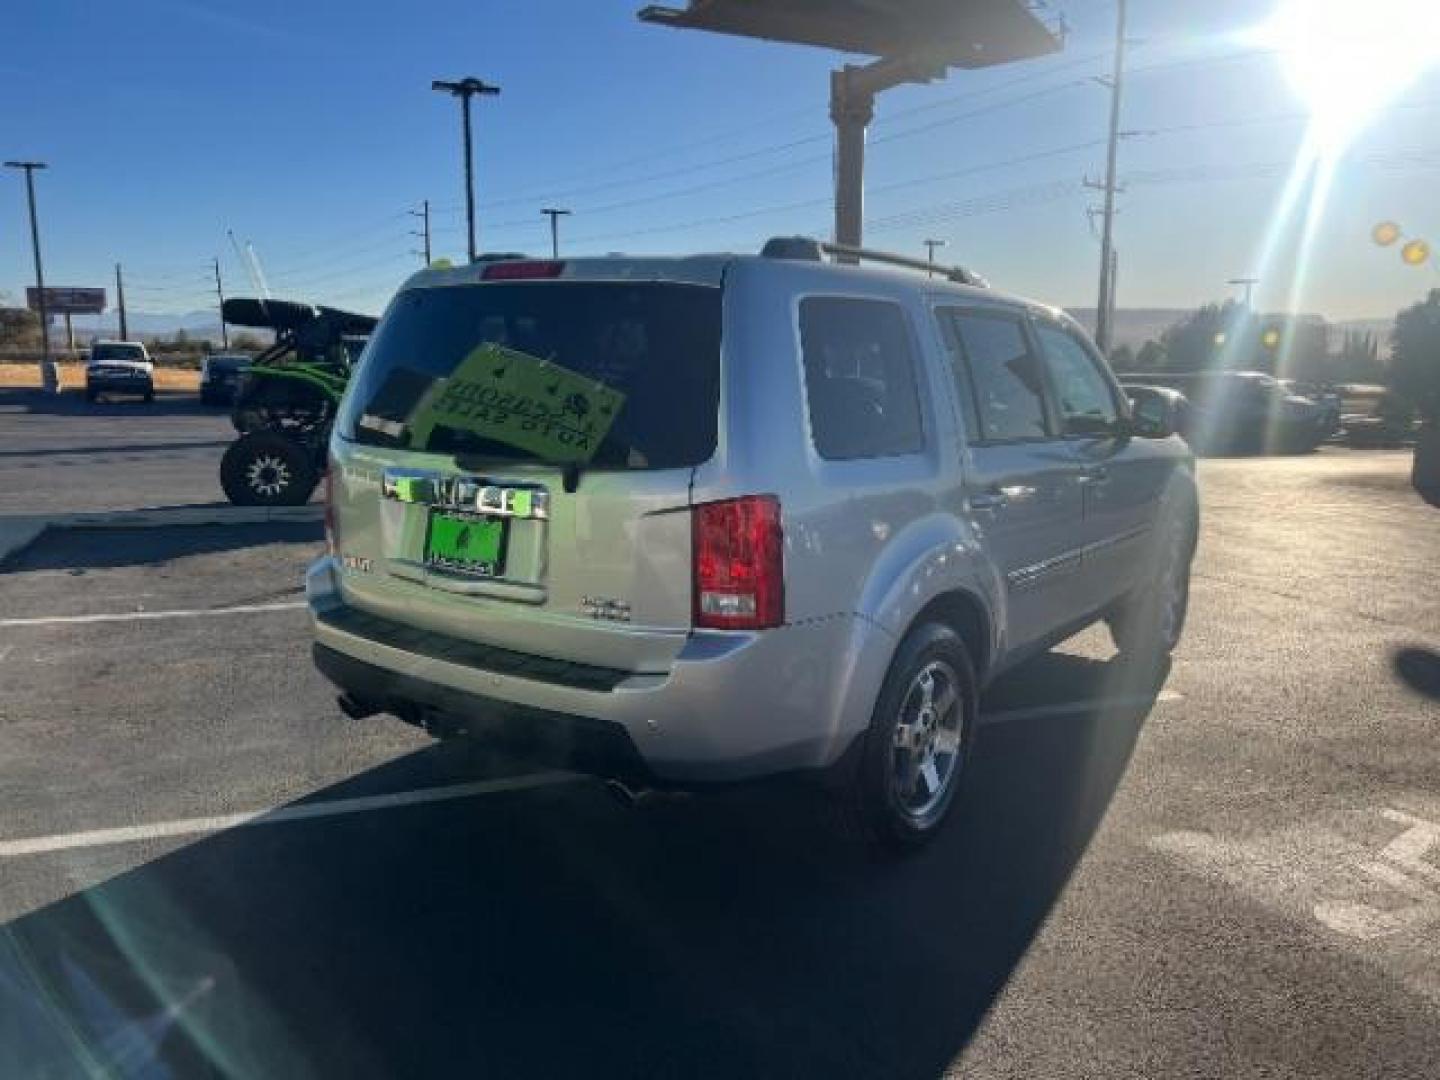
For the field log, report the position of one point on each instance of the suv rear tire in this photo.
(918, 742)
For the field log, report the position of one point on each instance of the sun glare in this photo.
(1348, 58)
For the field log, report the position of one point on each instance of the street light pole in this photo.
(1249, 284)
(555, 215)
(220, 296)
(49, 378)
(120, 302)
(930, 246)
(465, 89)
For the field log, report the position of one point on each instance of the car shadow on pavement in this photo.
(54, 456)
(81, 550)
(555, 932)
(71, 402)
(1419, 668)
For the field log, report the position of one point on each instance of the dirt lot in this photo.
(72, 377)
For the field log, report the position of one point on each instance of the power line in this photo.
(820, 137)
(325, 267)
(530, 224)
(328, 255)
(709, 185)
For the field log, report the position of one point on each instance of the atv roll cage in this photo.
(295, 384)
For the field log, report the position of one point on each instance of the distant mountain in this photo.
(198, 326)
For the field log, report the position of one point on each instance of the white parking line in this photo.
(1069, 708)
(130, 834)
(131, 616)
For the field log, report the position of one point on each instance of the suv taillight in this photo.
(332, 531)
(739, 564)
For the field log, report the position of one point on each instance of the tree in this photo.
(1415, 357)
(1122, 358)
(19, 328)
(1358, 359)
(1151, 356)
(1415, 379)
(1209, 337)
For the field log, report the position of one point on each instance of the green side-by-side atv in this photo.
(286, 404)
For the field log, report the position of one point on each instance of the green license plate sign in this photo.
(466, 544)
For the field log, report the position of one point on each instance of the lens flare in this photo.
(1386, 233)
(1346, 59)
(1415, 253)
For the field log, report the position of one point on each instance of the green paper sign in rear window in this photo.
(602, 374)
(520, 400)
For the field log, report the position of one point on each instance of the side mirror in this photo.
(1153, 416)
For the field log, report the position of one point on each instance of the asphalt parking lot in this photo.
(1231, 868)
(62, 454)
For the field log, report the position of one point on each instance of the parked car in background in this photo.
(119, 367)
(1242, 411)
(221, 376)
(1326, 396)
(561, 510)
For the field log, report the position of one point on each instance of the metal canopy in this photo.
(955, 33)
(911, 41)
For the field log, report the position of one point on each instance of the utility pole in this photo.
(465, 89)
(1107, 233)
(220, 296)
(1114, 288)
(120, 302)
(930, 246)
(49, 377)
(555, 216)
(1249, 284)
(424, 215)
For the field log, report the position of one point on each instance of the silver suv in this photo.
(685, 520)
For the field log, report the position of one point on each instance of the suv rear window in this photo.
(657, 344)
(129, 353)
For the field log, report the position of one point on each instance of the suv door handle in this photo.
(1000, 495)
(1094, 474)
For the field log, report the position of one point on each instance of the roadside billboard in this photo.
(63, 300)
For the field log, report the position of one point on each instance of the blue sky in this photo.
(309, 129)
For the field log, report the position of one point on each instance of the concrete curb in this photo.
(19, 531)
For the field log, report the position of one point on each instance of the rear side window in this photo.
(859, 378)
(658, 345)
(1005, 381)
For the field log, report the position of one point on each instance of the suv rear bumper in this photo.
(732, 706)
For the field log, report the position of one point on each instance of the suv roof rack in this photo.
(812, 250)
